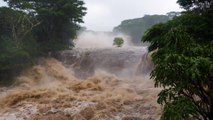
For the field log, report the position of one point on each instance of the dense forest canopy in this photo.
(135, 28)
(183, 63)
(31, 28)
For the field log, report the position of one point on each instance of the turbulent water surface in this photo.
(122, 62)
(84, 84)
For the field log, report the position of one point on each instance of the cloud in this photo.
(103, 15)
(2, 3)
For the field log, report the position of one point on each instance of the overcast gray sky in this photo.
(103, 15)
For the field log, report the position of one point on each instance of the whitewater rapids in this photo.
(82, 84)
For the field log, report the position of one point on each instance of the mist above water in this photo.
(90, 39)
(124, 62)
(49, 90)
(95, 80)
(94, 52)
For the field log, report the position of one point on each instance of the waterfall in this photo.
(122, 62)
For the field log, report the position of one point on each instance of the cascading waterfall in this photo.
(122, 62)
(84, 84)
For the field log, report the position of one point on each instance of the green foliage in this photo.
(31, 28)
(58, 20)
(198, 5)
(180, 109)
(135, 28)
(183, 65)
(17, 45)
(118, 41)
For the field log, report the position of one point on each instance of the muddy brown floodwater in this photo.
(93, 85)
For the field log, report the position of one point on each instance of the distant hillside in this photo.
(136, 27)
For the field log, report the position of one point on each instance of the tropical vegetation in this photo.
(33, 28)
(183, 63)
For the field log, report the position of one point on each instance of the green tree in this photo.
(31, 28)
(118, 41)
(183, 64)
(17, 45)
(58, 20)
(198, 5)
